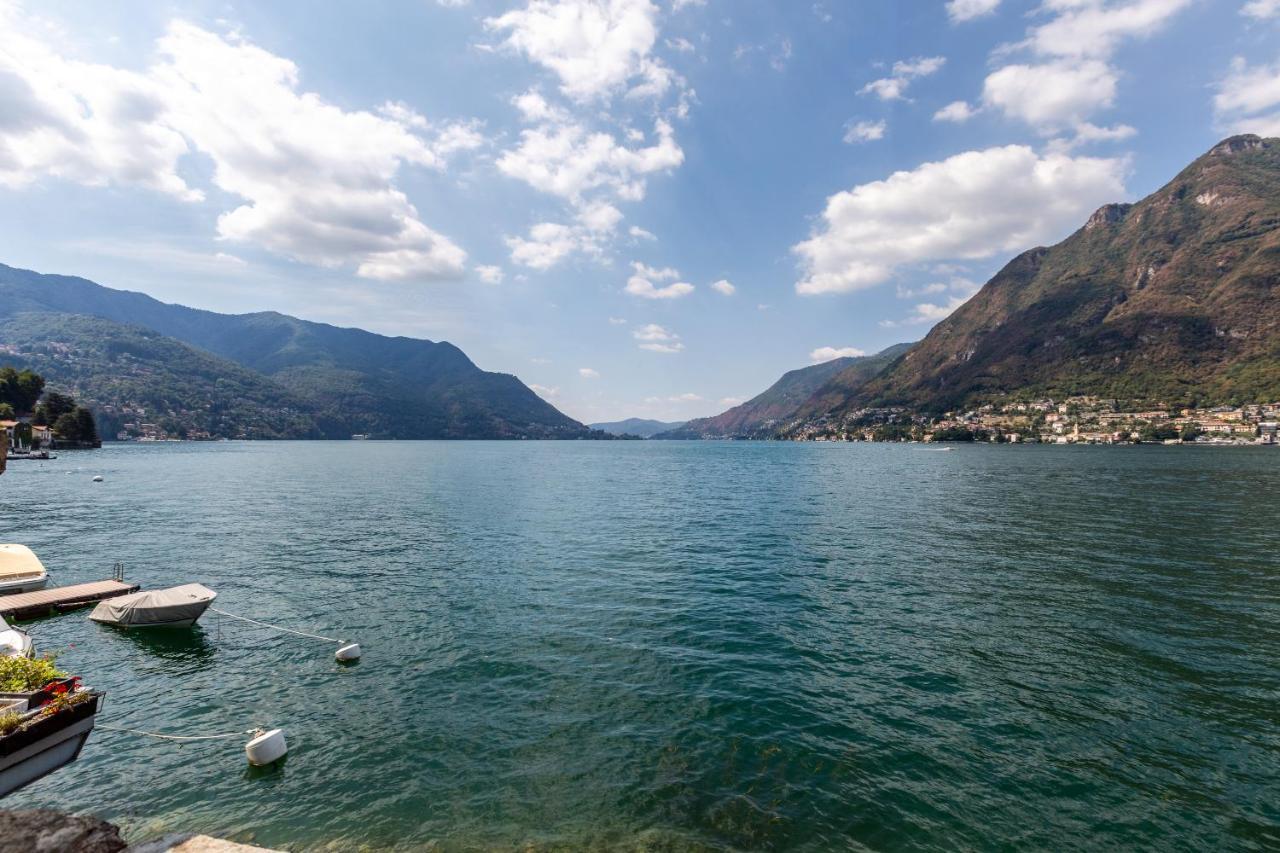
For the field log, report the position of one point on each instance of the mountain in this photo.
(764, 414)
(1174, 300)
(347, 380)
(116, 367)
(642, 427)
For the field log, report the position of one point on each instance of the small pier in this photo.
(47, 602)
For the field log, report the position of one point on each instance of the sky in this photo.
(642, 208)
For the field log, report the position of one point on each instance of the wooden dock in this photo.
(47, 602)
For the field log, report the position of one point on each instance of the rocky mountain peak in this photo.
(1108, 214)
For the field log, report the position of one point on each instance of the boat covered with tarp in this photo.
(178, 606)
(20, 570)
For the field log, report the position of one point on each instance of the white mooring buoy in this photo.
(97, 478)
(351, 651)
(266, 747)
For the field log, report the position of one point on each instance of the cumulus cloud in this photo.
(864, 131)
(724, 286)
(969, 206)
(1261, 9)
(490, 274)
(893, 88)
(1096, 27)
(1248, 99)
(961, 289)
(588, 373)
(966, 10)
(822, 354)
(657, 339)
(641, 234)
(543, 391)
(1052, 95)
(567, 160)
(595, 47)
(1072, 77)
(316, 180)
(641, 283)
(957, 111)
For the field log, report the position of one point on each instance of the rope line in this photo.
(276, 627)
(174, 737)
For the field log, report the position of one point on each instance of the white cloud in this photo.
(490, 274)
(969, 206)
(864, 131)
(1248, 99)
(931, 312)
(549, 243)
(724, 286)
(641, 234)
(595, 47)
(732, 401)
(957, 111)
(967, 10)
(568, 161)
(588, 373)
(543, 391)
(893, 88)
(617, 321)
(677, 5)
(680, 45)
(1053, 95)
(316, 180)
(1261, 9)
(1095, 27)
(1074, 78)
(687, 397)
(822, 354)
(657, 339)
(641, 283)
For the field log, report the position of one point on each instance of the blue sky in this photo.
(640, 207)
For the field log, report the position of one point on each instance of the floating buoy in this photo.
(350, 651)
(266, 747)
(97, 478)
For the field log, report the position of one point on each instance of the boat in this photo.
(20, 570)
(32, 454)
(14, 642)
(175, 607)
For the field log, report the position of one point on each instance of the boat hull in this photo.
(14, 587)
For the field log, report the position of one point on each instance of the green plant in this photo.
(22, 675)
(9, 722)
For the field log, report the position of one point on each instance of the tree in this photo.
(20, 389)
(76, 425)
(1191, 432)
(6, 412)
(54, 406)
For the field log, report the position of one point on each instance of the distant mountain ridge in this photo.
(1174, 300)
(766, 413)
(346, 381)
(641, 427)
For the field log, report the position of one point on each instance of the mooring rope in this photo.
(175, 737)
(276, 627)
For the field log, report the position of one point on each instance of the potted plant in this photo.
(47, 722)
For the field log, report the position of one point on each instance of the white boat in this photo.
(20, 570)
(14, 642)
(176, 607)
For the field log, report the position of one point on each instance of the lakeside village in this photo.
(1076, 420)
(34, 421)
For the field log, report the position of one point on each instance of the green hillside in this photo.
(342, 381)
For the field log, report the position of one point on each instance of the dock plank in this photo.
(43, 602)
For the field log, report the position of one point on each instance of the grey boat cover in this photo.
(155, 607)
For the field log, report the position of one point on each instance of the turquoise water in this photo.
(681, 645)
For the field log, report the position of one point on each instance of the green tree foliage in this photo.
(953, 433)
(52, 407)
(6, 412)
(76, 425)
(20, 389)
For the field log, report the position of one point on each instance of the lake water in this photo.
(668, 646)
